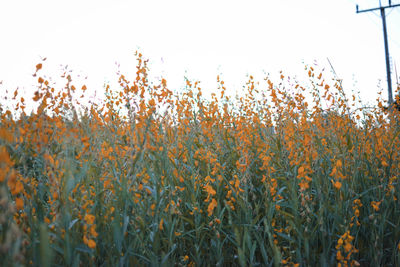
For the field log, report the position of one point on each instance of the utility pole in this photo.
(382, 9)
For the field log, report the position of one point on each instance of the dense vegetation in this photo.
(291, 175)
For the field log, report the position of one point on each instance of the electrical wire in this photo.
(377, 14)
(391, 40)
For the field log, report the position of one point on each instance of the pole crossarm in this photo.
(374, 9)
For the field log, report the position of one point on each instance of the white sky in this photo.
(197, 39)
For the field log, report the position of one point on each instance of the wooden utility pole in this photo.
(382, 9)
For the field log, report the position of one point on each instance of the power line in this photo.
(376, 14)
(382, 10)
(391, 40)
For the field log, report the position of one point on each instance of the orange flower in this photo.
(19, 187)
(4, 156)
(93, 231)
(339, 256)
(152, 102)
(347, 247)
(337, 184)
(339, 163)
(303, 185)
(211, 207)
(3, 174)
(19, 203)
(161, 225)
(91, 243)
(89, 218)
(13, 183)
(334, 172)
(301, 172)
(357, 213)
(209, 189)
(375, 205)
(106, 183)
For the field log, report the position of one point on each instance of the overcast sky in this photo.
(197, 39)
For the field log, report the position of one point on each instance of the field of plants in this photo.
(285, 175)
